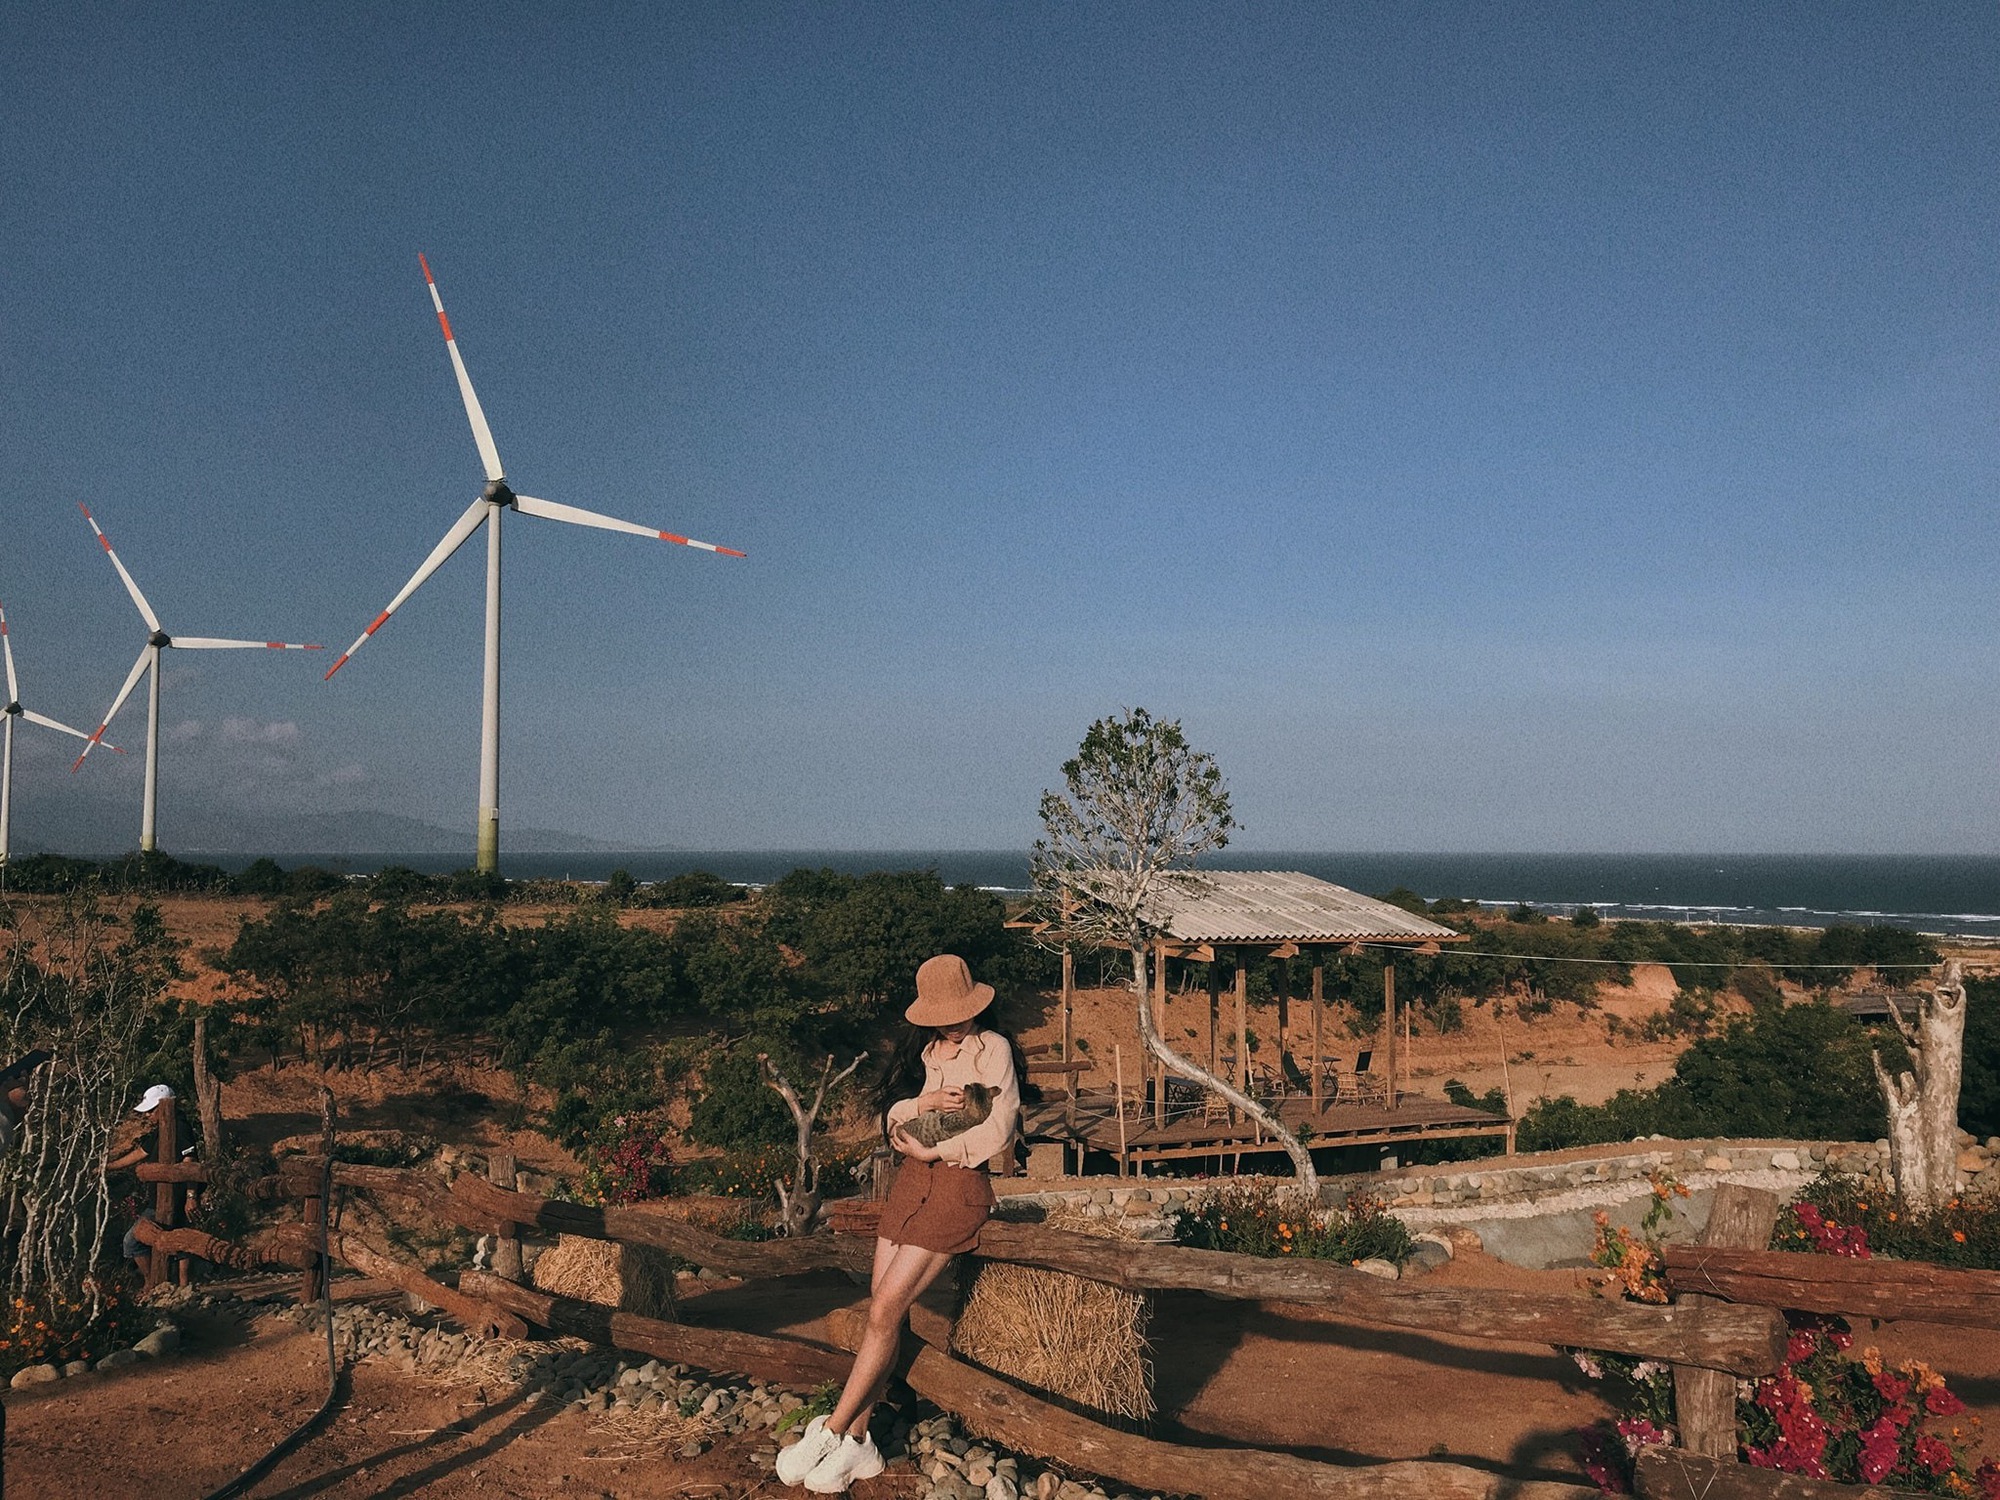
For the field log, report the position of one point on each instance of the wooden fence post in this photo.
(166, 1195)
(1705, 1400)
(502, 1173)
(313, 1214)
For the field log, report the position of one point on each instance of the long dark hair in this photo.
(902, 1075)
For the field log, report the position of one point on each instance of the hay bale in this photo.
(1077, 1339)
(630, 1278)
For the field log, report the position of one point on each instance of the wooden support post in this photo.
(1068, 1001)
(1160, 1026)
(1388, 1046)
(502, 1173)
(1118, 1083)
(1705, 1400)
(1215, 1013)
(1319, 1009)
(1284, 974)
(1242, 1027)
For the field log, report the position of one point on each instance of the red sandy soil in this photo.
(1352, 1394)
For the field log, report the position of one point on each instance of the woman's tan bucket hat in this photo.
(946, 994)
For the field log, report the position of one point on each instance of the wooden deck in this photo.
(1092, 1125)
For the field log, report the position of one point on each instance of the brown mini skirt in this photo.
(936, 1205)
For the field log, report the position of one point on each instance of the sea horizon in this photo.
(1953, 895)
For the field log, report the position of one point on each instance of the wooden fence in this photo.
(1726, 1324)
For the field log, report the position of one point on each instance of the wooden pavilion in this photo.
(1232, 915)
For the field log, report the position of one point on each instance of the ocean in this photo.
(1956, 895)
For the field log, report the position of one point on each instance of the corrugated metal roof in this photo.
(1280, 906)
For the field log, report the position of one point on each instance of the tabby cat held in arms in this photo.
(936, 1125)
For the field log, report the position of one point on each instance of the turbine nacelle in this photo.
(497, 493)
(159, 638)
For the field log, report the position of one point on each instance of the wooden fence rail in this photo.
(1709, 1341)
(1873, 1288)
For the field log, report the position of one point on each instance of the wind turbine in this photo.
(14, 711)
(157, 640)
(493, 502)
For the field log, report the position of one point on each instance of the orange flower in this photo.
(1892, 1216)
(1959, 1235)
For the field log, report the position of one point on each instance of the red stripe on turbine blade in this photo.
(104, 541)
(336, 666)
(380, 620)
(426, 265)
(731, 552)
(86, 511)
(445, 324)
(668, 536)
(274, 645)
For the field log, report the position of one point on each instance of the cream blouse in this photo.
(984, 1057)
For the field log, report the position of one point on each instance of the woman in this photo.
(940, 1200)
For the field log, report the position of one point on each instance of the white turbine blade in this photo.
(13, 687)
(47, 723)
(529, 505)
(481, 433)
(212, 643)
(145, 610)
(131, 681)
(453, 540)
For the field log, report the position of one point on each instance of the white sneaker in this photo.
(799, 1460)
(845, 1464)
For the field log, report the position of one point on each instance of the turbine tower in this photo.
(494, 501)
(157, 641)
(12, 712)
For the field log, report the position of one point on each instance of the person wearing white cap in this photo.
(147, 1141)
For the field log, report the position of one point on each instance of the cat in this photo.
(936, 1125)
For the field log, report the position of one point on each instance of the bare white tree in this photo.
(799, 1201)
(1140, 806)
(1923, 1098)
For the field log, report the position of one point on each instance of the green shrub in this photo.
(1260, 1216)
(1961, 1233)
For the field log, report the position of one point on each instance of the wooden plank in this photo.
(1675, 1474)
(295, 1243)
(790, 1360)
(1025, 1423)
(1742, 1340)
(1888, 1290)
(171, 1171)
(1319, 1010)
(1019, 1419)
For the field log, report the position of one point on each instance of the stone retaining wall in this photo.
(1521, 1180)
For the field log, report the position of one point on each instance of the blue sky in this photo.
(1539, 428)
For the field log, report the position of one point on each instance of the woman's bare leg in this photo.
(901, 1274)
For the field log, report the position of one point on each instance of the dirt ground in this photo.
(1352, 1394)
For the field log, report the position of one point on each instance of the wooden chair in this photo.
(1365, 1086)
(1295, 1078)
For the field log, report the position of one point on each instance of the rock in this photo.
(980, 1474)
(1971, 1159)
(1428, 1255)
(162, 1340)
(1000, 1487)
(34, 1375)
(1375, 1266)
(1716, 1164)
(77, 1367)
(1785, 1161)
(117, 1359)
